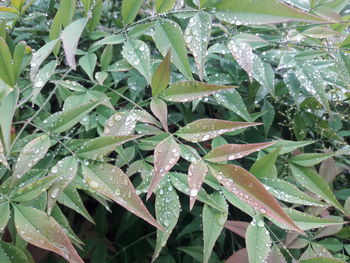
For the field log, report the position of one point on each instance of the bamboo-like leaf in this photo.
(6, 66)
(197, 36)
(237, 227)
(66, 119)
(88, 64)
(18, 55)
(111, 182)
(310, 159)
(263, 167)
(70, 38)
(206, 129)
(228, 152)
(240, 256)
(243, 54)
(276, 256)
(313, 182)
(137, 54)
(32, 153)
(130, 8)
(43, 77)
(185, 91)
(11, 254)
(3, 159)
(163, 6)
(161, 76)
(5, 214)
(168, 35)
(100, 147)
(167, 215)
(287, 192)
(7, 109)
(213, 223)
(41, 230)
(65, 169)
(258, 242)
(166, 155)
(196, 174)
(39, 57)
(289, 146)
(249, 189)
(321, 260)
(121, 124)
(160, 110)
(261, 12)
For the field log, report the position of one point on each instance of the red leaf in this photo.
(240, 256)
(160, 110)
(237, 227)
(196, 174)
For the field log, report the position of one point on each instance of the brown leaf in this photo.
(240, 256)
(237, 227)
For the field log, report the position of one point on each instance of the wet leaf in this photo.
(234, 151)
(168, 35)
(167, 213)
(121, 124)
(310, 159)
(166, 155)
(237, 227)
(263, 167)
(240, 256)
(213, 223)
(129, 10)
(313, 182)
(137, 54)
(163, 6)
(18, 55)
(66, 119)
(161, 76)
(6, 67)
(196, 174)
(289, 146)
(11, 254)
(247, 188)
(258, 242)
(4, 215)
(70, 38)
(43, 77)
(321, 260)
(197, 36)
(88, 64)
(3, 159)
(100, 147)
(243, 54)
(160, 110)
(41, 230)
(185, 91)
(276, 255)
(32, 153)
(65, 169)
(206, 129)
(111, 182)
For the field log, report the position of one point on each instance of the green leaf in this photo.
(160, 110)
(67, 9)
(88, 63)
(108, 40)
(32, 153)
(228, 152)
(11, 254)
(39, 57)
(197, 36)
(7, 109)
(261, 12)
(43, 77)
(137, 54)
(166, 155)
(287, 192)
(213, 223)
(268, 117)
(4, 215)
(111, 182)
(161, 76)
(243, 54)
(6, 67)
(33, 189)
(41, 230)
(313, 182)
(167, 215)
(130, 8)
(233, 101)
(196, 174)
(100, 147)
(322, 260)
(288, 146)
(66, 170)
(249, 189)
(70, 38)
(66, 119)
(206, 129)
(185, 91)
(263, 167)
(310, 159)
(258, 242)
(18, 55)
(168, 35)
(163, 6)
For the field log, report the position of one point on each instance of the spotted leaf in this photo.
(185, 91)
(3, 159)
(166, 155)
(111, 182)
(196, 174)
(228, 152)
(41, 230)
(206, 129)
(258, 242)
(243, 53)
(249, 189)
(121, 124)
